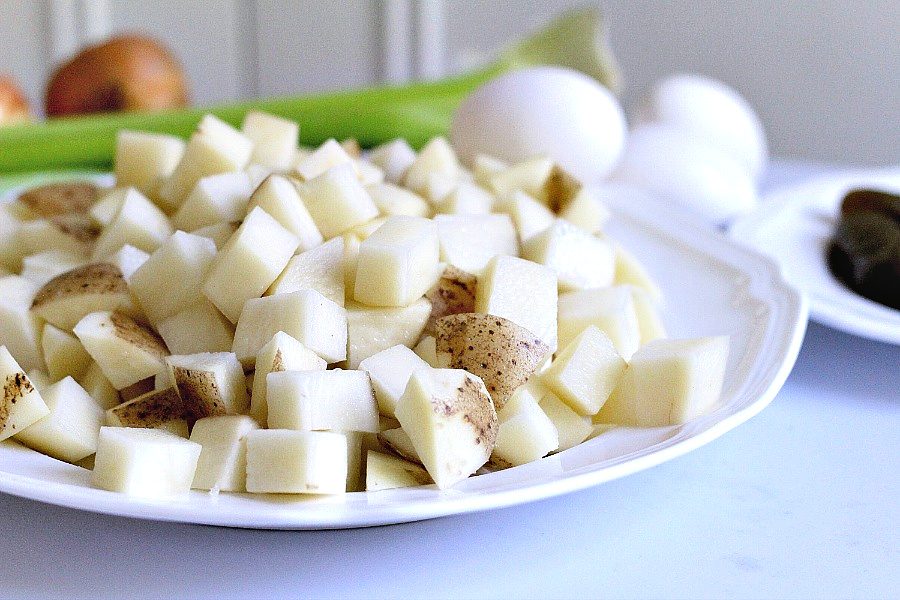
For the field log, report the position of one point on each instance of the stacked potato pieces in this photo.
(241, 314)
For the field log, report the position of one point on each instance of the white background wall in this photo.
(823, 74)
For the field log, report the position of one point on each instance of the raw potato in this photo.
(20, 328)
(61, 198)
(281, 353)
(296, 462)
(222, 465)
(21, 405)
(162, 409)
(385, 472)
(451, 421)
(503, 354)
(333, 400)
(210, 384)
(68, 297)
(453, 294)
(390, 371)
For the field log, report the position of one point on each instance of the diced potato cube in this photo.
(529, 216)
(392, 199)
(384, 472)
(214, 199)
(329, 154)
(669, 382)
(436, 157)
(581, 261)
(394, 158)
(222, 465)
(274, 138)
(138, 222)
(337, 200)
(320, 268)
(210, 384)
(68, 297)
(371, 329)
(20, 327)
(301, 462)
(398, 262)
(161, 409)
(571, 427)
(390, 371)
(470, 241)
(333, 400)
(585, 372)
(21, 404)
(278, 196)
(144, 462)
(248, 263)
(526, 433)
(63, 353)
(281, 353)
(44, 266)
(611, 309)
(69, 432)
(199, 327)
(144, 159)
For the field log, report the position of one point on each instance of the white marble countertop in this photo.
(799, 502)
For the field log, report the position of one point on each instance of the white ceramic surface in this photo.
(712, 286)
(795, 224)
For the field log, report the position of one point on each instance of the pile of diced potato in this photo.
(239, 313)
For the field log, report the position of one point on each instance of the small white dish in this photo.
(711, 286)
(794, 225)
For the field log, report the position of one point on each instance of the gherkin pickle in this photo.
(864, 253)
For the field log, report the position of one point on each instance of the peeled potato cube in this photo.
(210, 384)
(371, 329)
(44, 266)
(390, 371)
(126, 350)
(307, 315)
(436, 157)
(394, 200)
(611, 309)
(248, 263)
(650, 322)
(337, 200)
(222, 465)
(285, 461)
(282, 353)
(144, 159)
(137, 222)
(274, 138)
(144, 462)
(528, 214)
(466, 198)
(397, 263)
(329, 154)
(394, 158)
(199, 327)
(334, 400)
(20, 327)
(215, 199)
(451, 421)
(385, 472)
(504, 355)
(470, 241)
(99, 387)
(525, 434)
(523, 292)
(530, 176)
(668, 382)
(63, 353)
(160, 409)
(397, 441)
(571, 427)
(169, 281)
(585, 372)
(21, 404)
(586, 209)
(629, 270)
(278, 196)
(580, 260)
(69, 432)
(214, 147)
(320, 268)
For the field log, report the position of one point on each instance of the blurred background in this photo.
(824, 75)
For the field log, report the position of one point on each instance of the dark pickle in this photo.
(864, 253)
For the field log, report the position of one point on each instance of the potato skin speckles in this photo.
(454, 293)
(64, 198)
(151, 409)
(94, 278)
(138, 334)
(15, 386)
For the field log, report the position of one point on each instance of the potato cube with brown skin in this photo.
(162, 409)
(668, 382)
(152, 463)
(523, 292)
(398, 262)
(127, 351)
(453, 294)
(281, 353)
(320, 268)
(284, 461)
(215, 199)
(337, 200)
(585, 372)
(385, 472)
(450, 419)
(314, 320)
(504, 355)
(69, 432)
(278, 196)
(333, 400)
(222, 465)
(20, 327)
(68, 297)
(21, 404)
(144, 159)
(210, 384)
(248, 263)
(169, 281)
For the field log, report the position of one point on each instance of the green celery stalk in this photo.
(416, 111)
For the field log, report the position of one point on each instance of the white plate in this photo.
(794, 225)
(712, 286)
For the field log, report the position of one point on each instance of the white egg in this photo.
(708, 107)
(552, 111)
(689, 170)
